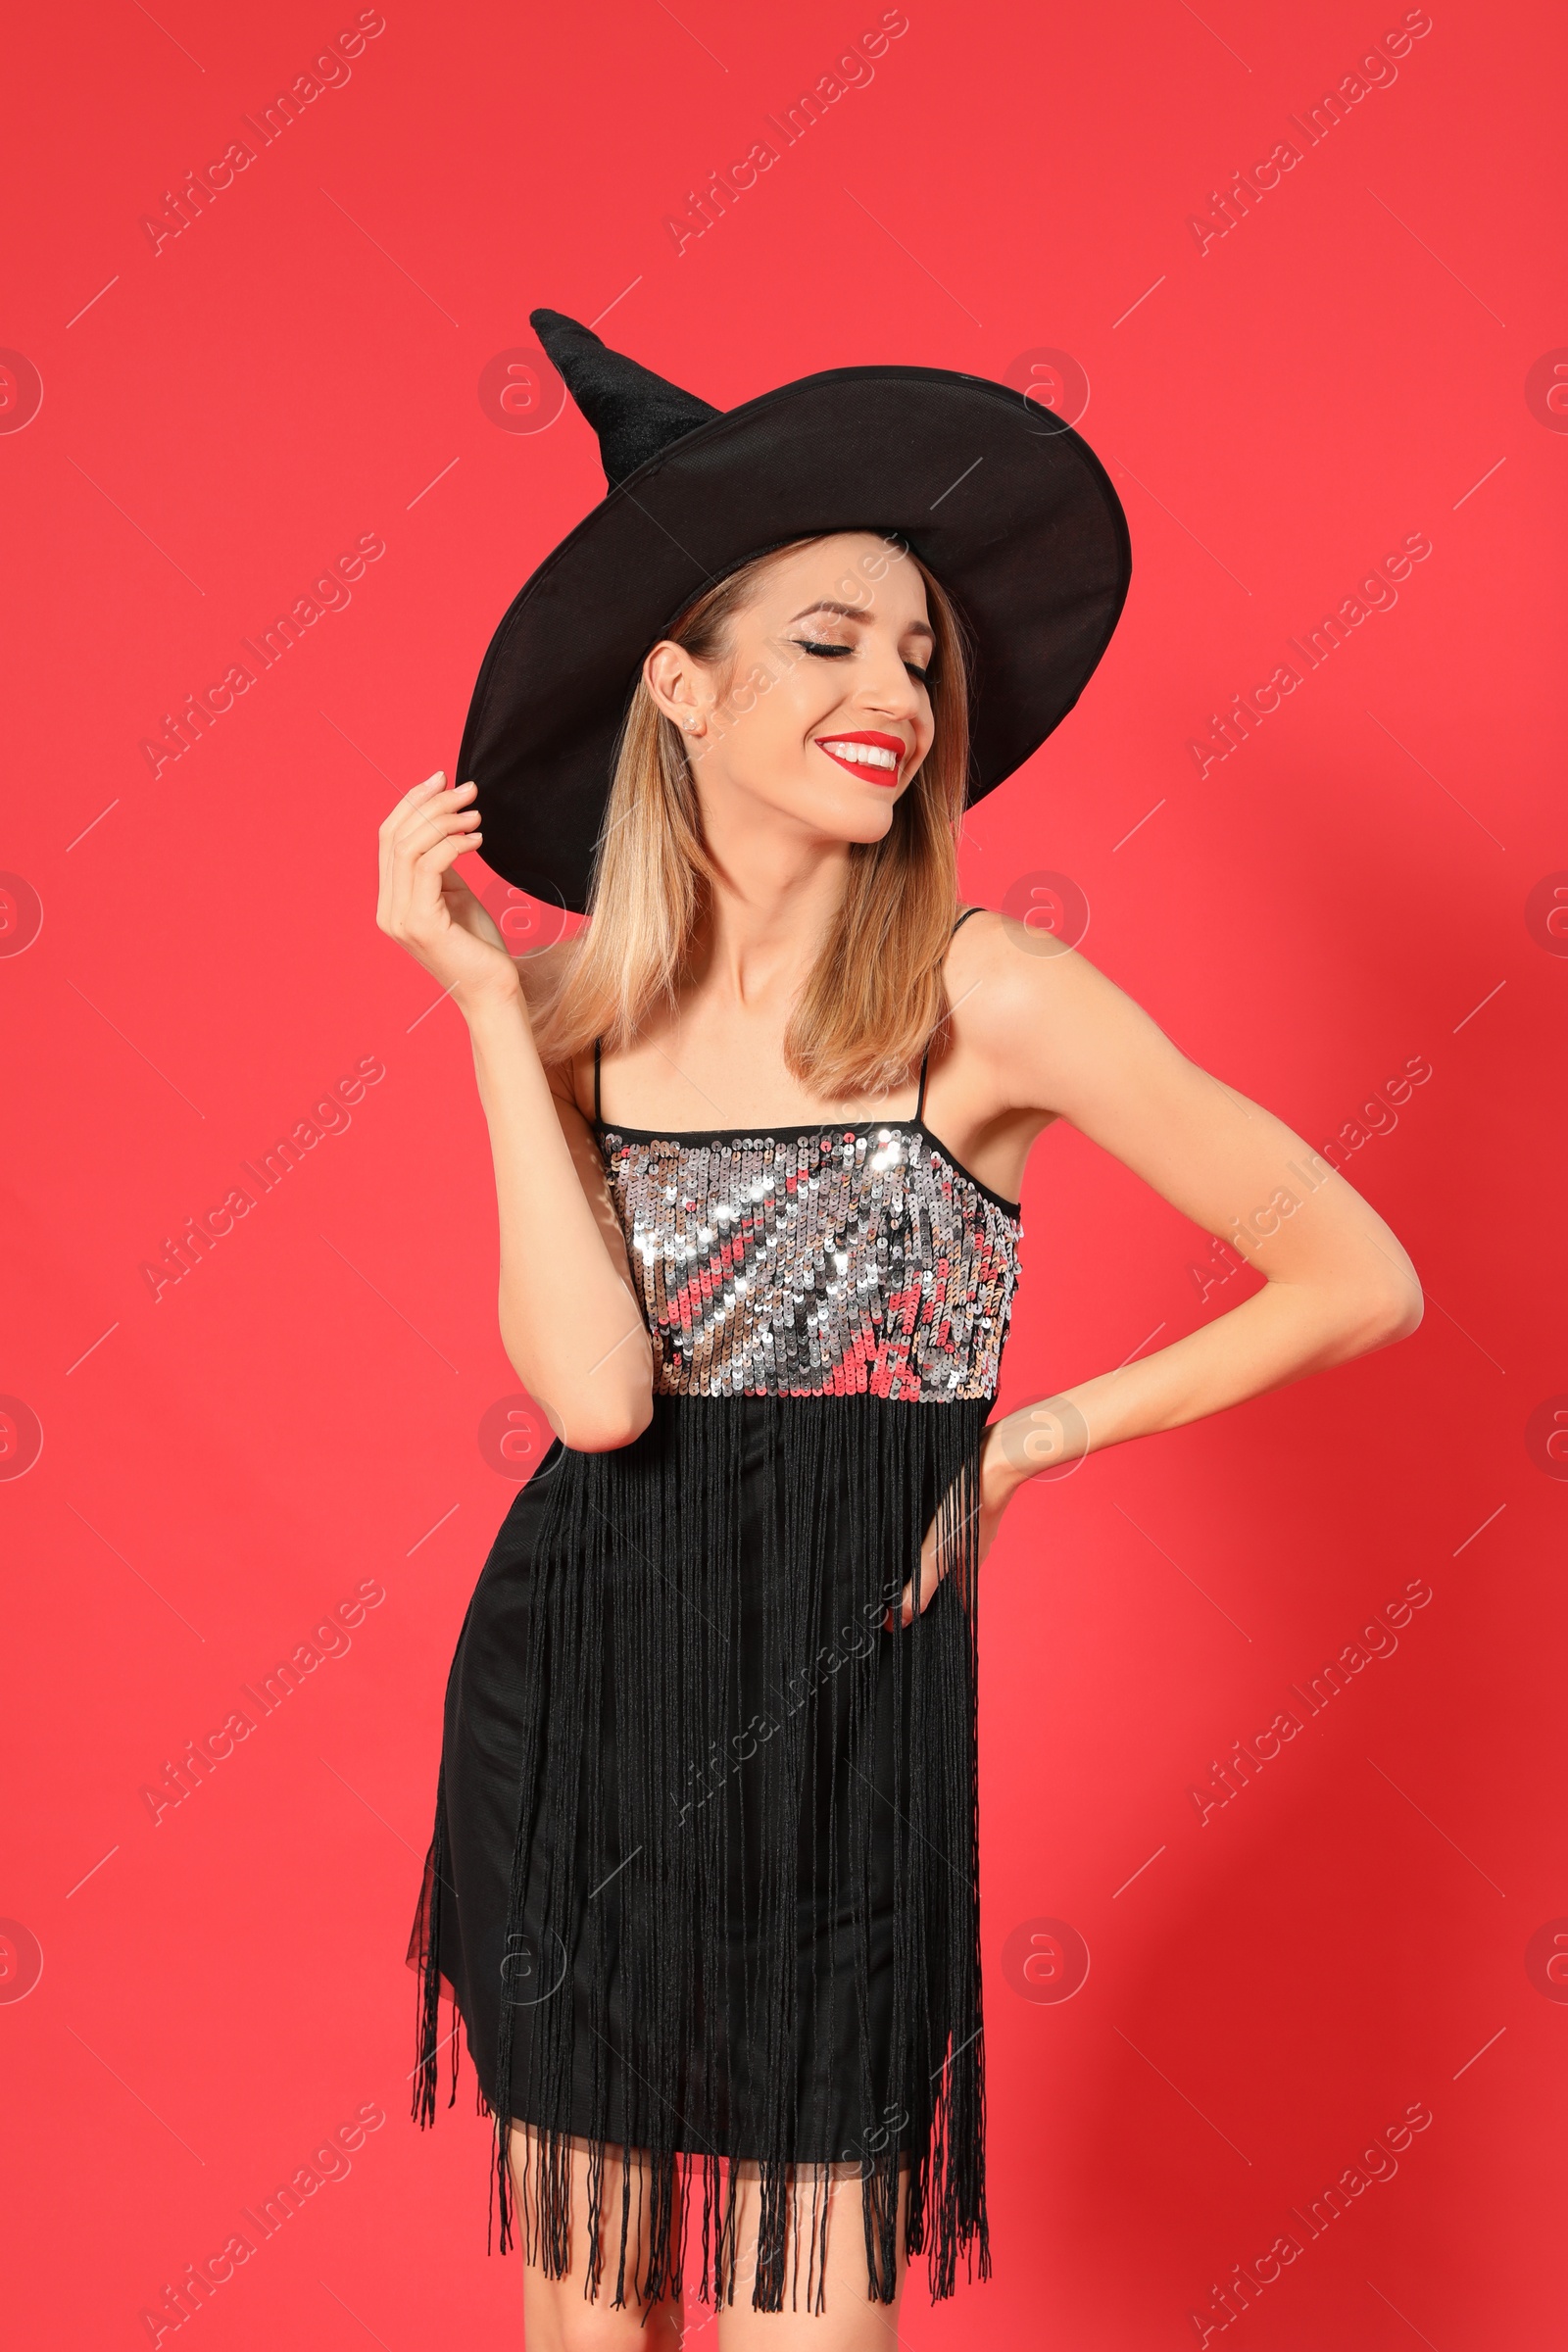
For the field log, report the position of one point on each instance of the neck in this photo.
(773, 901)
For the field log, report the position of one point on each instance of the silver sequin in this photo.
(838, 1261)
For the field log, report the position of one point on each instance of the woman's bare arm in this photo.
(1064, 1039)
(1336, 1280)
(1057, 1039)
(569, 1319)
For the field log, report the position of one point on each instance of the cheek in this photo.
(794, 708)
(924, 737)
(772, 737)
(761, 745)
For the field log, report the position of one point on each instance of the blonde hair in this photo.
(874, 996)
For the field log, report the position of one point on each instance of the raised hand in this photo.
(426, 907)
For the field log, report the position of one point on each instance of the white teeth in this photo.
(866, 754)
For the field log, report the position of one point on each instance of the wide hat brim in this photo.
(1009, 508)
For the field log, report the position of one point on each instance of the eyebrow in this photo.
(828, 604)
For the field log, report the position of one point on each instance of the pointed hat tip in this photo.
(541, 320)
(635, 412)
(562, 336)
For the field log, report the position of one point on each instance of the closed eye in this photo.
(837, 653)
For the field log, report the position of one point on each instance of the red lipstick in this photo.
(883, 770)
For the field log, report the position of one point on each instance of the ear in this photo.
(678, 686)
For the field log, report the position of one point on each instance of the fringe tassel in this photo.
(698, 1715)
(424, 1954)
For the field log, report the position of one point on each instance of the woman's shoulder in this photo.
(992, 948)
(1011, 978)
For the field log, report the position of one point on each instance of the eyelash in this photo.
(840, 652)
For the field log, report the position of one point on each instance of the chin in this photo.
(830, 816)
(857, 814)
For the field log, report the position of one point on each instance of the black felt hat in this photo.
(1007, 506)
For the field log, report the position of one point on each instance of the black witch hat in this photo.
(1007, 506)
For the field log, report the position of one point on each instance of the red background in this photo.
(1267, 1987)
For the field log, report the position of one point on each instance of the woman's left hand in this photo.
(998, 1482)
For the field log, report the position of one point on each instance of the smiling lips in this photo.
(874, 758)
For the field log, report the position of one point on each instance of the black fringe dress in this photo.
(704, 1877)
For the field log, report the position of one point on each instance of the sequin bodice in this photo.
(828, 1262)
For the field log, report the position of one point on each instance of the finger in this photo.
(432, 825)
(930, 1577)
(416, 810)
(418, 911)
(426, 805)
(403, 860)
(906, 1615)
(410, 800)
(421, 834)
(391, 830)
(435, 861)
(433, 809)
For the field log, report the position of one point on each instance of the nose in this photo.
(885, 686)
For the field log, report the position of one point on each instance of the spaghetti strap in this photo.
(598, 1121)
(919, 1109)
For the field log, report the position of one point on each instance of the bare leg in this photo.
(557, 2314)
(849, 2319)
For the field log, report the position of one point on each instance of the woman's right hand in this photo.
(427, 908)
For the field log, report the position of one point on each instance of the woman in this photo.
(702, 1880)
